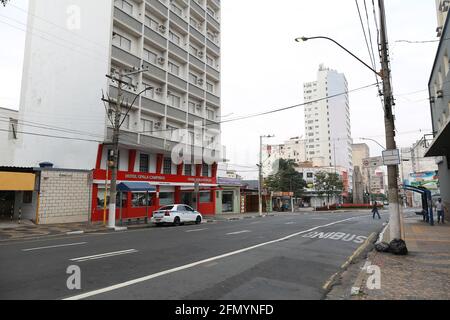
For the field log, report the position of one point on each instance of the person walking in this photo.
(375, 211)
(440, 210)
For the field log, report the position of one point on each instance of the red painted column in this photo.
(198, 170)
(94, 217)
(131, 160)
(214, 170)
(177, 194)
(180, 170)
(157, 205)
(99, 157)
(159, 163)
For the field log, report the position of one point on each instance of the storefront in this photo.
(228, 196)
(168, 189)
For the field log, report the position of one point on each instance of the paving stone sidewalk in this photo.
(422, 275)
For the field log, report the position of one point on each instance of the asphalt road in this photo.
(270, 258)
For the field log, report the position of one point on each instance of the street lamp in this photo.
(385, 75)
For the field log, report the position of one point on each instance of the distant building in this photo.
(327, 121)
(360, 152)
(293, 149)
(442, 7)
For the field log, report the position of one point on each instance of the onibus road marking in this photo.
(57, 246)
(238, 232)
(194, 264)
(195, 230)
(103, 255)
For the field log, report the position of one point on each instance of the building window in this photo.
(122, 42)
(210, 61)
(166, 198)
(126, 121)
(188, 170)
(205, 197)
(174, 101)
(167, 168)
(144, 163)
(174, 38)
(211, 11)
(205, 170)
(28, 197)
(210, 87)
(150, 56)
(151, 23)
(174, 69)
(193, 78)
(150, 92)
(194, 50)
(125, 6)
(211, 114)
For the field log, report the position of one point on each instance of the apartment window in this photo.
(126, 121)
(176, 9)
(144, 163)
(174, 38)
(195, 23)
(210, 87)
(211, 11)
(210, 61)
(147, 126)
(150, 92)
(188, 170)
(172, 133)
(193, 78)
(122, 42)
(194, 50)
(151, 23)
(174, 69)
(125, 6)
(205, 170)
(150, 56)
(174, 101)
(211, 114)
(191, 107)
(167, 168)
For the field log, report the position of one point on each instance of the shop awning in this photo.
(136, 187)
(441, 144)
(16, 181)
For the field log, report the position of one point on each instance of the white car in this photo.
(176, 214)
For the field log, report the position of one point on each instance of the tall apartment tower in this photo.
(327, 122)
(442, 7)
(73, 44)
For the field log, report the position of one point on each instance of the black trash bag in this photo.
(382, 247)
(398, 247)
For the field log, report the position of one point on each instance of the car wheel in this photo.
(198, 220)
(177, 221)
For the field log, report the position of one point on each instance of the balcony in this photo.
(196, 7)
(213, 99)
(155, 72)
(128, 20)
(197, 62)
(155, 37)
(196, 91)
(213, 72)
(197, 35)
(178, 51)
(214, 47)
(176, 81)
(213, 21)
(125, 57)
(153, 106)
(125, 138)
(176, 114)
(179, 21)
(161, 8)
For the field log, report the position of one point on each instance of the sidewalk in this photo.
(422, 275)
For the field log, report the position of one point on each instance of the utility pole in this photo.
(394, 208)
(261, 178)
(116, 107)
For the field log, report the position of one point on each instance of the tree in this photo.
(328, 184)
(287, 179)
(3, 2)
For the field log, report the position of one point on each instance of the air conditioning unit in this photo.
(200, 54)
(161, 60)
(200, 82)
(158, 125)
(162, 28)
(158, 90)
(198, 106)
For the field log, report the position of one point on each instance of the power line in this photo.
(50, 136)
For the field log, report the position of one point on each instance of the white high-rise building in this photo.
(293, 149)
(327, 121)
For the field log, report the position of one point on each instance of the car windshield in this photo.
(168, 208)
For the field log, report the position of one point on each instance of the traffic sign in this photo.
(373, 162)
(391, 157)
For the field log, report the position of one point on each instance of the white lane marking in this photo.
(238, 232)
(103, 255)
(74, 233)
(57, 246)
(195, 230)
(194, 264)
(290, 223)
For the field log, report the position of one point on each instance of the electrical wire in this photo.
(50, 136)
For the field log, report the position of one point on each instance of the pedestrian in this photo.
(375, 211)
(440, 210)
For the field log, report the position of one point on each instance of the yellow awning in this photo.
(13, 181)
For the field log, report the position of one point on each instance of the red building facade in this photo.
(174, 184)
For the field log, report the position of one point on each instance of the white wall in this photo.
(66, 60)
(7, 144)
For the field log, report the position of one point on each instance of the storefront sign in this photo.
(283, 194)
(153, 177)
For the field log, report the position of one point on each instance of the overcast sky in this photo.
(264, 69)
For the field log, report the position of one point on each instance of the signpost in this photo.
(391, 157)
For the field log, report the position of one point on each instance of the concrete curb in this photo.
(331, 281)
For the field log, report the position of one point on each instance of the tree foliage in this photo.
(287, 179)
(328, 184)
